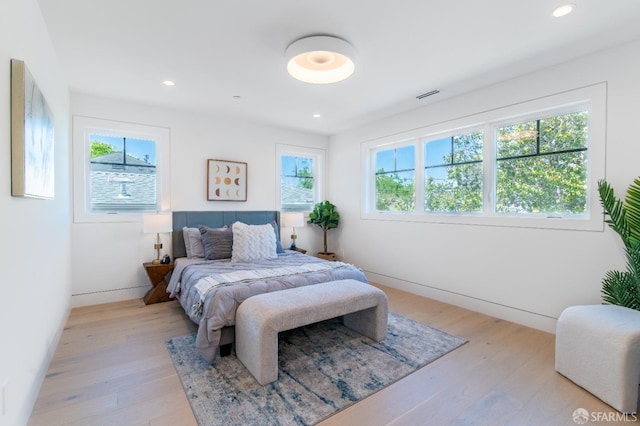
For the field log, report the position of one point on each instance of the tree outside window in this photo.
(541, 166)
(453, 174)
(395, 179)
(533, 164)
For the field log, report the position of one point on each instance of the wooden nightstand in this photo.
(329, 256)
(157, 274)
(301, 250)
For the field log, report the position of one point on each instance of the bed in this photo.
(211, 285)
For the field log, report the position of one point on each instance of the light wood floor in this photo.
(112, 368)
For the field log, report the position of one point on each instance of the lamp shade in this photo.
(157, 222)
(292, 219)
(320, 59)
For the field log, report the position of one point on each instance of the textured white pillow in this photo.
(253, 242)
(193, 242)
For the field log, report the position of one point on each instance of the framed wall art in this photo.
(226, 180)
(32, 137)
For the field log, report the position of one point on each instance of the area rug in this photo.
(323, 368)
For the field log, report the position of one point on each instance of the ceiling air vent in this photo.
(424, 95)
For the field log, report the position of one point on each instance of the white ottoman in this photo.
(598, 348)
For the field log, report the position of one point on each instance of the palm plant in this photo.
(324, 215)
(623, 287)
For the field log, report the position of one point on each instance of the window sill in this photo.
(538, 222)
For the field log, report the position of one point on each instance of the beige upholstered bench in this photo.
(261, 317)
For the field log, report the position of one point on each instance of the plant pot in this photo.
(327, 256)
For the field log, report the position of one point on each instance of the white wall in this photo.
(35, 250)
(524, 275)
(108, 257)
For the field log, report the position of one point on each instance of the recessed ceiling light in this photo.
(563, 10)
(316, 116)
(168, 83)
(320, 59)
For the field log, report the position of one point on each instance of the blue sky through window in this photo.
(384, 161)
(437, 152)
(405, 158)
(139, 148)
(289, 168)
(288, 165)
(391, 160)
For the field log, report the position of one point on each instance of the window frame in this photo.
(83, 127)
(395, 148)
(422, 143)
(562, 110)
(592, 98)
(319, 171)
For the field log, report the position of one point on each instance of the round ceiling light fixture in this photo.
(320, 59)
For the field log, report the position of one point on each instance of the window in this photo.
(453, 174)
(296, 183)
(538, 161)
(395, 179)
(122, 174)
(541, 165)
(300, 172)
(120, 170)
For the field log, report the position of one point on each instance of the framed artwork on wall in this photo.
(32, 137)
(226, 180)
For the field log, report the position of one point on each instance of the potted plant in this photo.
(623, 288)
(324, 215)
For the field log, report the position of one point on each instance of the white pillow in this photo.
(193, 242)
(253, 242)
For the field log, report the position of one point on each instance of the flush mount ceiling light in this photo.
(320, 59)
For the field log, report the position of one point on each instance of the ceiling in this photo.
(227, 56)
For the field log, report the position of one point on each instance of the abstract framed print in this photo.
(226, 180)
(32, 137)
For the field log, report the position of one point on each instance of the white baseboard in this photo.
(508, 313)
(41, 372)
(108, 296)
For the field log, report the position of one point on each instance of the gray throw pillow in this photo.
(218, 243)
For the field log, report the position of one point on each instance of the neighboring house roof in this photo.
(293, 194)
(114, 162)
(110, 188)
(115, 184)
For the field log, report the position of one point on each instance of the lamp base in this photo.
(157, 246)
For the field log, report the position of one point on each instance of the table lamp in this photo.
(157, 222)
(291, 220)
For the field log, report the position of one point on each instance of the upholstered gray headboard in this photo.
(215, 219)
